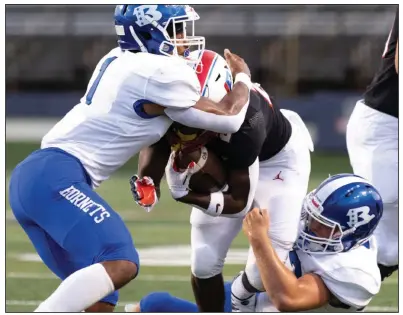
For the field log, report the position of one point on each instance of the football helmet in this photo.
(347, 207)
(215, 80)
(153, 28)
(213, 73)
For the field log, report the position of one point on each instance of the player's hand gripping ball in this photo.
(209, 174)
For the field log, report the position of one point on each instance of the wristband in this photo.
(216, 205)
(244, 78)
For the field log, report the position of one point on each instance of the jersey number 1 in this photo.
(91, 92)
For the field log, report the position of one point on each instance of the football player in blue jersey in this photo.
(333, 267)
(135, 93)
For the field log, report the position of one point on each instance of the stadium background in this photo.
(314, 59)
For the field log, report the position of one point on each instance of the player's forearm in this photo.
(195, 118)
(152, 161)
(280, 283)
(206, 203)
(287, 293)
(236, 99)
(235, 201)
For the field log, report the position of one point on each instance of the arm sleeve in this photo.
(176, 87)
(195, 118)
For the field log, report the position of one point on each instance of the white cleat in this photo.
(247, 305)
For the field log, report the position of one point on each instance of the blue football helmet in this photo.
(347, 206)
(153, 28)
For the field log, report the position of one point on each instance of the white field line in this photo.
(49, 276)
(156, 256)
(123, 303)
(156, 278)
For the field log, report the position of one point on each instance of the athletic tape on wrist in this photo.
(216, 205)
(244, 78)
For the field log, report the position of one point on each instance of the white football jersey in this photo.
(109, 126)
(352, 277)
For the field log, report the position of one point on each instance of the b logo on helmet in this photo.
(359, 213)
(149, 10)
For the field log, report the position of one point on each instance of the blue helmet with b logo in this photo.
(347, 206)
(154, 28)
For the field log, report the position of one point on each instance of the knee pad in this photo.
(251, 279)
(205, 263)
(386, 271)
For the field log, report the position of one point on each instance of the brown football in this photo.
(210, 173)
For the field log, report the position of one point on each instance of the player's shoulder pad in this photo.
(174, 84)
(175, 69)
(114, 52)
(353, 286)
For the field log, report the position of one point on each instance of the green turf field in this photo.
(161, 236)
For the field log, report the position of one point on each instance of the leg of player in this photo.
(211, 237)
(163, 302)
(283, 235)
(204, 289)
(372, 143)
(75, 232)
(283, 184)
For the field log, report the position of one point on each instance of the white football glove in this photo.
(178, 182)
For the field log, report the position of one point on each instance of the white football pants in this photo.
(372, 143)
(283, 184)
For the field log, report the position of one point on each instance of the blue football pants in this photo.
(69, 224)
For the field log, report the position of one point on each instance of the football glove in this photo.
(144, 192)
(178, 181)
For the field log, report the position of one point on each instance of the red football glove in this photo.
(144, 192)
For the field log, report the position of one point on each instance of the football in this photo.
(210, 175)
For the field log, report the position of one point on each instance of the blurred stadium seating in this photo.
(307, 56)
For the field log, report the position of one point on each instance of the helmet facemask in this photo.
(312, 219)
(188, 41)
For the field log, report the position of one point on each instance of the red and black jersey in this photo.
(264, 133)
(383, 92)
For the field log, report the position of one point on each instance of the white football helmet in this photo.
(213, 73)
